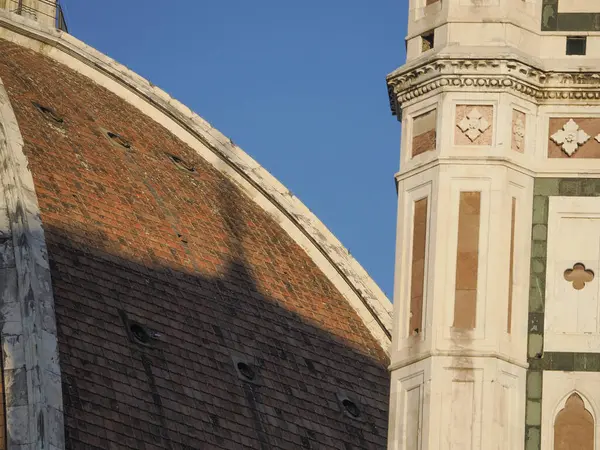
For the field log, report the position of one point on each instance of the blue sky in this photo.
(300, 86)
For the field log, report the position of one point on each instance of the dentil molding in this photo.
(487, 75)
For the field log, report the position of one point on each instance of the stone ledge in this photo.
(503, 73)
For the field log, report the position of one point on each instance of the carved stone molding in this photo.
(491, 75)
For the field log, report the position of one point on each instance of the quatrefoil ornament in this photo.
(579, 276)
(473, 124)
(570, 137)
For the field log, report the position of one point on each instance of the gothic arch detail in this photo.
(574, 426)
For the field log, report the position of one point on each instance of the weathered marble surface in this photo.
(32, 378)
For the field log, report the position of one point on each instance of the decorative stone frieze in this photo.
(424, 133)
(570, 137)
(520, 78)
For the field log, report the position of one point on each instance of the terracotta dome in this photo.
(161, 290)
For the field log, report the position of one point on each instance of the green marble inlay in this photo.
(540, 210)
(538, 265)
(570, 188)
(558, 361)
(540, 232)
(534, 413)
(536, 322)
(540, 361)
(589, 188)
(552, 20)
(534, 385)
(546, 186)
(536, 300)
(535, 345)
(566, 361)
(538, 249)
(538, 283)
(533, 438)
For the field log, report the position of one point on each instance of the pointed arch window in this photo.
(574, 426)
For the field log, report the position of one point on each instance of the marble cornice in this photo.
(485, 75)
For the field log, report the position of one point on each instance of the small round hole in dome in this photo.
(118, 139)
(139, 333)
(351, 408)
(182, 164)
(245, 370)
(49, 113)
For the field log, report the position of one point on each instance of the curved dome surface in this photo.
(194, 302)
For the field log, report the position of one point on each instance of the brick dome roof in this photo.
(194, 308)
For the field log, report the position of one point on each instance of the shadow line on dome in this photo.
(198, 266)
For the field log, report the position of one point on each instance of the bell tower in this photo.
(497, 320)
(43, 11)
(472, 23)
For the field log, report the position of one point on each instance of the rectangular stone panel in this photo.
(467, 260)
(418, 266)
(573, 309)
(567, 421)
(503, 410)
(424, 133)
(427, 8)
(462, 405)
(572, 312)
(578, 22)
(409, 411)
(578, 6)
(511, 268)
(519, 129)
(413, 417)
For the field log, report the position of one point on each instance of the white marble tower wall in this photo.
(42, 11)
(497, 325)
(445, 378)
